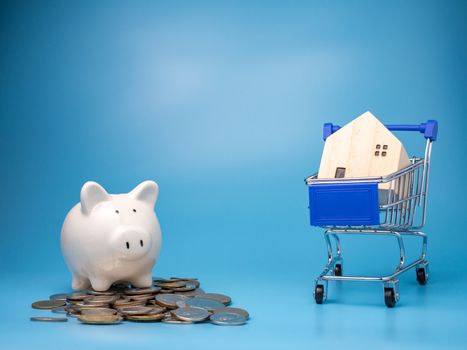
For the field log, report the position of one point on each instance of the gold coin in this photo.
(48, 304)
(81, 306)
(170, 285)
(122, 300)
(59, 296)
(100, 319)
(175, 279)
(76, 296)
(145, 318)
(156, 309)
(129, 303)
(192, 281)
(99, 311)
(166, 291)
(144, 297)
(135, 310)
(106, 292)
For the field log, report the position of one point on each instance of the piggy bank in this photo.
(108, 238)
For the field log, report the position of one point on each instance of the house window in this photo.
(340, 173)
(383, 153)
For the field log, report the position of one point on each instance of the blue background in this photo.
(222, 103)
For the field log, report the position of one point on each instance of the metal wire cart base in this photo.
(392, 205)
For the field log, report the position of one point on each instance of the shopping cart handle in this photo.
(428, 129)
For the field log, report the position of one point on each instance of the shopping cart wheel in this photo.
(390, 297)
(422, 276)
(319, 294)
(338, 270)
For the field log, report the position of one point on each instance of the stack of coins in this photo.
(172, 300)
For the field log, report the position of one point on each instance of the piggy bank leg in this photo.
(78, 282)
(99, 283)
(142, 281)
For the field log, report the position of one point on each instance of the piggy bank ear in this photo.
(92, 194)
(147, 192)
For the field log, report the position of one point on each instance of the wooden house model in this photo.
(362, 148)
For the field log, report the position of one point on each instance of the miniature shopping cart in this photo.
(356, 206)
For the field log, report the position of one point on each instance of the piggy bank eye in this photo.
(117, 211)
(134, 210)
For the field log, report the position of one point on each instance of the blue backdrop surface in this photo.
(222, 103)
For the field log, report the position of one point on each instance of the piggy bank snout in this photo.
(131, 242)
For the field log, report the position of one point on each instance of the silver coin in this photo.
(191, 314)
(233, 310)
(100, 299)
(59, 310)
(106, 292)
(49, 319)
(191, 293)
(170, 300)
(186, 288)
(224, 299)
(136, 291)
(72, 311)
(174, 320)
(227, 319)
(176, 280)
(182, 279)
(208, 304)
(59, 296)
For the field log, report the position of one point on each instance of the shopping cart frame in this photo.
(402, 213)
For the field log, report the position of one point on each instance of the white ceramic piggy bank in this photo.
(108, 238)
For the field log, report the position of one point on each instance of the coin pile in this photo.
(172, 300)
